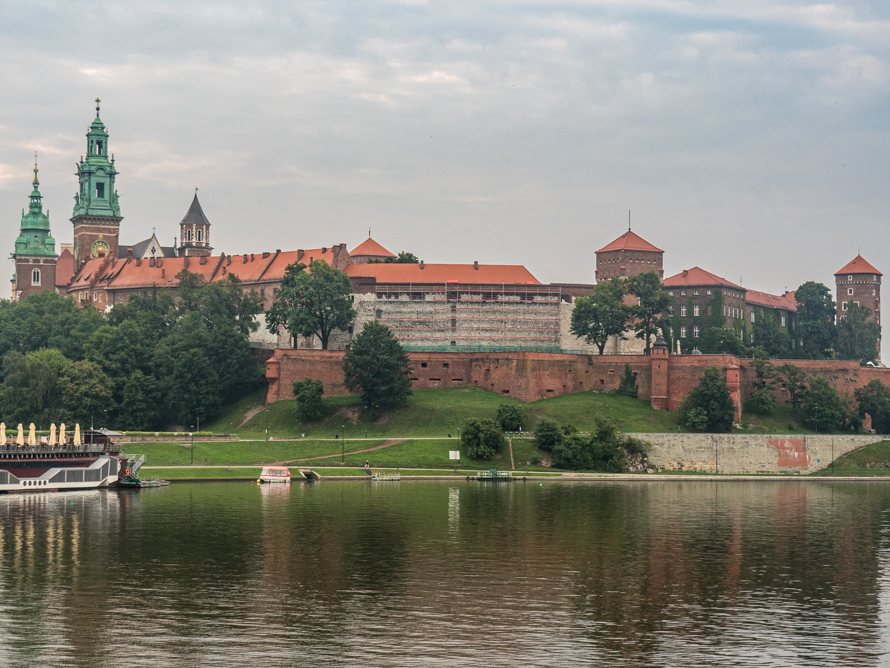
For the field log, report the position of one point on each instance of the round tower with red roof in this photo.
(859, 282)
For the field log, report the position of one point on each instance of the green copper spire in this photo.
(35, 238)
(97, 196)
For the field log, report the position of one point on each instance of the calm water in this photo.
(450, 574)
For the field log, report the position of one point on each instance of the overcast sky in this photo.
(749, 138)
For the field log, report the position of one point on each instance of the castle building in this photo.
(194, 231)
(628, 256)
(858, 282)
(701, 300)
(35, 249)
(370, 251)
(97, 214)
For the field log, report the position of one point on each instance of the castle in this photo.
(470, 307)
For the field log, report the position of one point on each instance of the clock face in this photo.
(99, 247)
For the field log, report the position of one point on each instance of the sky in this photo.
(749, 138)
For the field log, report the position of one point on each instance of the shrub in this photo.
(482, 439)
(823, 408)
(711, 397)
(509, 417)
(547, 435)
(628, 385)
(874, 399)
(310, 406)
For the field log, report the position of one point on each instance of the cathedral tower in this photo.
(35, 249)
(97, 214)
(194, 231)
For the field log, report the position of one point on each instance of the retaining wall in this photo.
(749, 453)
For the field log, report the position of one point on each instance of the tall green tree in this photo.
(30, 389)
(709, 404)
(857, 337)
(653, 301)
(721, 340)
(823, 407)
(795, 381)
(815, 320)
(141, 406)
(874, 399)
(313, 303)
(599, 316)
(482, 439)
(310, 405)
(769, 335)
(86, 394)
(377, 366)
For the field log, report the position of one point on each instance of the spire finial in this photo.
(98, 101)
(196, 190)
(36, 182)
(628, 220)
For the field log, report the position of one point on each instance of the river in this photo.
(448, 574)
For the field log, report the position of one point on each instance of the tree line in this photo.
(813, 333)
(157, 359)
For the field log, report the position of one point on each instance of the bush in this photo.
(709, 406)
(628, 385)
(762, 402)
(547, 435)
(874, 399)
(482, 439)
(310, 406)
(509, 417)
(823, 408)
(605, 450)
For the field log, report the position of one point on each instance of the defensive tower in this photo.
(35, 249)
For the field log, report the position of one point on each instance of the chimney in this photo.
(251, 257)
(185, 262)
(228, 260)
(244, 259)
(476, 265)
(224, 271)
(686, 272)
(202, 260)
(277, 250)
(159, 262)
(138, 261)
(163, 273)
(421, 264)
(129, 253)
(265, 254)
(300, 253)
(324, 250)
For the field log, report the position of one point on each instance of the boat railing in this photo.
(382, 475)
(43, 448)
(494, 473)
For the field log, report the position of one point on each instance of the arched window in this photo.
(189, 235)
(199, 235)
(35, 277)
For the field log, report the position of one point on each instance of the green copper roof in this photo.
(35, 238)
(96, 173)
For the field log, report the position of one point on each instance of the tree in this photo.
(712, 398)
(377, 366)
(763, 399)
(815, 320)
(794, 380)
(605, 450)
(482, 439)
(653, 302)
(857, 337)
(141, 407)
(509, 417)
(628, 385)
(310, 406)
(547, 435)
(823, 408)
(770, 336)
(874, 399)
(30, 389)
(403, 257)
(721, 340)
(598, 317)
(313, 303)
(86, 394)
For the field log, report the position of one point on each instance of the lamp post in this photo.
(267, 423)
(193, 445)
(343, 444)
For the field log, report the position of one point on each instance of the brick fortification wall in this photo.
(532, 376)
(749, 453)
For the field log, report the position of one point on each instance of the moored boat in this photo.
(275, 474)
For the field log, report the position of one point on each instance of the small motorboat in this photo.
(273, 474)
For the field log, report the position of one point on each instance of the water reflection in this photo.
(638, 574)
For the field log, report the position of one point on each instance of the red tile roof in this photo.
(858, 265)
(370, 248)
(698, 276)
(489, 274)
(64, 268)
(785, 302)
(630, 241)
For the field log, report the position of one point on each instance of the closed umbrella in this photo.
(32, 434)
(62, 434)
(77, 434)
(20, 437)
(52, 434)
(2, 433)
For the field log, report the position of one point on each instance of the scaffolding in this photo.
(471, 318)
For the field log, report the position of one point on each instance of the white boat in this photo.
(275, 474)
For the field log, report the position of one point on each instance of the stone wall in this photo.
(749, 453)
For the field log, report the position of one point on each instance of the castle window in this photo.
(683, 293)
(783, 321)
(199, 235)
(845, 306)
(849, 291)
(849, 278)
(670, 293)
(695, 292)
(695, 331)
(682, 311)
(100, 190)
(709, 292)
(35, 277)
(752, 316)
(695, 310)
(682, 332)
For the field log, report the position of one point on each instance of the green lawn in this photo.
(249, 453)
(782, 421)
(872, 459)
(147, 473)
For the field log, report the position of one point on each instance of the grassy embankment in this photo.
(437, 413)
(872, 460)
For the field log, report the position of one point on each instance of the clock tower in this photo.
(97, 214)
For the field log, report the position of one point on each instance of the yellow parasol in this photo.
(32, 435)
(20, 438)
(77, 434)
(2, 433)
(52, 434)
(62, 434)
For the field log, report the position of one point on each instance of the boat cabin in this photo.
(275, 474)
